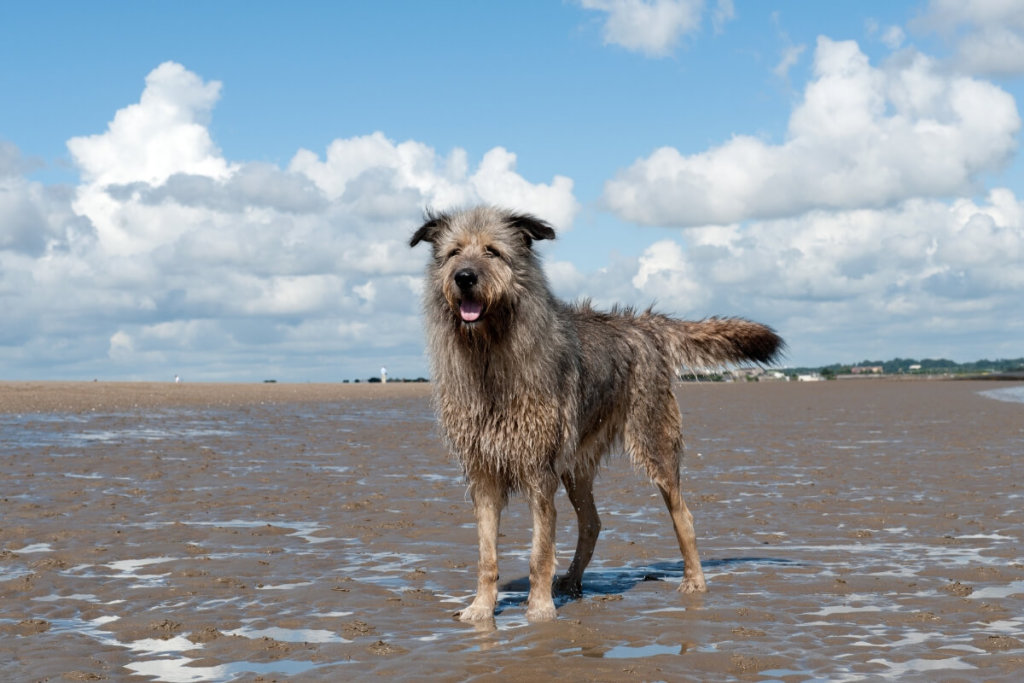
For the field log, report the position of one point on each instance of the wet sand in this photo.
(848, 530)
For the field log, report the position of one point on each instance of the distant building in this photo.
(753, 375)
(867, 370)
(773, 376)
(810, 377)
(745, 373)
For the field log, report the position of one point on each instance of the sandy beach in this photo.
(849, 530)
(92, 397)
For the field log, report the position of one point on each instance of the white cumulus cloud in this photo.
(654, 27)
(862, 136)
(790, 56)
(928, 277)
(988, 35)
(413, 174)
(169, 258)
(164, 133)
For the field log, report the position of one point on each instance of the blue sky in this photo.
(224, 190)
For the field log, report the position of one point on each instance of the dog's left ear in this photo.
(431, 230)
(531, 228)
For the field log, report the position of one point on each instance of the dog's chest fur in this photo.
(505, 413)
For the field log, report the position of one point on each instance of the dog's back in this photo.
(627, 360)
(696, 345)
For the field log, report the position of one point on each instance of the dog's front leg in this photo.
(540, 606)
(488, 501)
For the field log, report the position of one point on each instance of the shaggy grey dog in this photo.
(531, 392)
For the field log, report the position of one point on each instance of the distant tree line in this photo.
(925, 366)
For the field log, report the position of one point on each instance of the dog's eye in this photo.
(454, 252)
(492, 252)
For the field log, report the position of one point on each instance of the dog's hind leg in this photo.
(682, 522)
(580, 488)
(653, 438)
(488, 501)
(541, 495)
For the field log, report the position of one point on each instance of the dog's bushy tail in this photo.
(716, 342)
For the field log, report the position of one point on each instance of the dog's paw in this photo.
(475, 613)
(543, 612)
(694, 584)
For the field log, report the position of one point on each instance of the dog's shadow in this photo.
(620, 580)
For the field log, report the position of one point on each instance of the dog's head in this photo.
(483, 262)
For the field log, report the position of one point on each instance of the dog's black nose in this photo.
(465, 279)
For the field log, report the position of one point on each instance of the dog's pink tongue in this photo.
(470, 310)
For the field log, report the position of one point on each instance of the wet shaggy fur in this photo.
(532, 392)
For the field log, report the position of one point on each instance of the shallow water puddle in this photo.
(1010, 394)
(303, 530)
(172, 666)
(921, 666)
(1013, 588)
(91, 628)
(83, 597)
(632, 652)
(178, 669)
(128, 569)
(284, 586)
(36, 548)
(289, 635)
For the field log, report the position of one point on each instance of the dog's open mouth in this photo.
(470, 311)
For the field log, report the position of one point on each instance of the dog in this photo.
(532, 392)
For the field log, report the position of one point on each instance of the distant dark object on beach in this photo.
(270, 381)
(396, 380)
(1016, 376)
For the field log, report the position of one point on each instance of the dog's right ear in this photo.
(431, 229)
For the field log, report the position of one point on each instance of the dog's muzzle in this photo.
(469, 308)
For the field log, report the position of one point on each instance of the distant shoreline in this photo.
(83, 397)
(76, 397)
(996, 376)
